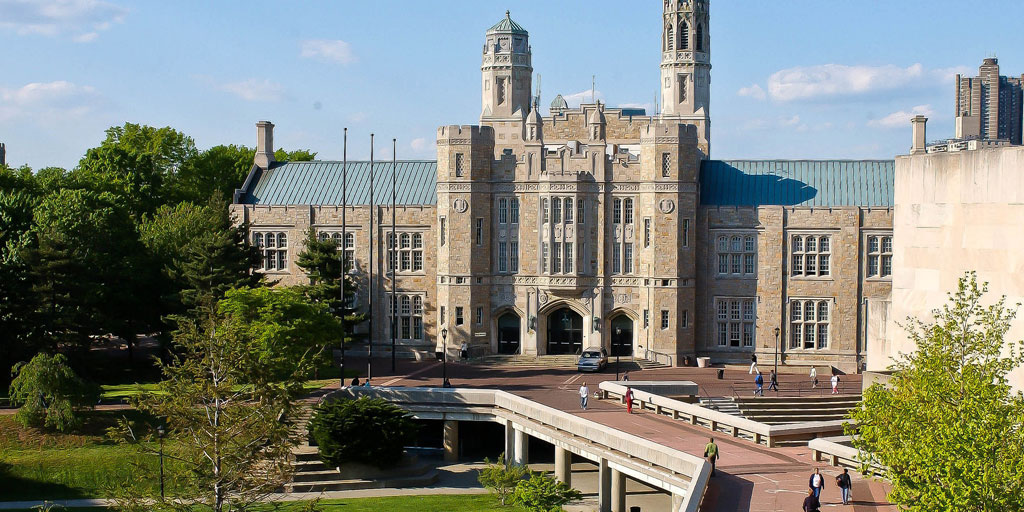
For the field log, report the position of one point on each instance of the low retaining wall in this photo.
(838, 452)
(761, 433)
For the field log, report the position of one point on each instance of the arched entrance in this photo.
(508, 333)
(622, 336)
(565, 332)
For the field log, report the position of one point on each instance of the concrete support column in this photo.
(563, 465)
(618, 491)
(510, 441)
(451, 440)
(522, 448)
(604, 487)
(677, 502)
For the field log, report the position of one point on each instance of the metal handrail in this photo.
(657, 356)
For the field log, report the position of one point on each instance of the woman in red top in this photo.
(629, 401)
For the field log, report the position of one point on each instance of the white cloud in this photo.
(333, 50)
(47, 102)
(902, 118)
(790, 121)
(419, 144)
(357, 117)
(754, 91)
(254, 90)
(82, 20)
(833, 80)
(575, 99)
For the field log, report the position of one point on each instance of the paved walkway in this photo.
(750, 477)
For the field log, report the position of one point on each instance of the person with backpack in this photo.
(773, 382)
(759, 382)
(711, 453)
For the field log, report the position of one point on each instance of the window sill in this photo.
(813, 278)
(735, 276)
(876, 279)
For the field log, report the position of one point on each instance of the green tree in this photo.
(49, 393)
(215, 261)
(320, 259)
(502, 477)
(366, 431)
(283, 324)
(948, 429)
(82, 266)
(543, 493)
(217, 171)
(17, 302)
(222, 419)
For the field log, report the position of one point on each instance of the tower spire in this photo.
(686, 66)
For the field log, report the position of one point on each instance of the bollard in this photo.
(634, 509)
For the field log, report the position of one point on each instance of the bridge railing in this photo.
(684, 474)
(736, 426)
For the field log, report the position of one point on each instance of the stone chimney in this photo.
(920, 142)
(3, 154)
(264, 144)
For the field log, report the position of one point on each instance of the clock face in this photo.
(503, 44)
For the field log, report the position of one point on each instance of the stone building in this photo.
(598, 226)
(989, 106)
(955, 212)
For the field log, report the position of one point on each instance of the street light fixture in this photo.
(160, 432)
(444, 360)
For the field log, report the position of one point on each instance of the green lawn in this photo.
(36, 464)
(426, 503)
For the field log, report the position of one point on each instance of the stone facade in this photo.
(585, 228)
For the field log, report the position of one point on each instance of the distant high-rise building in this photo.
(988, 106)
(3, 154)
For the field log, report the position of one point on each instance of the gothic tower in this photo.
(686, 66)
(507, 71)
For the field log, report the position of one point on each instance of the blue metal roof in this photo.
(797, 182)
(319, 182)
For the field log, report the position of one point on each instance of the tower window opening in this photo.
(684, 36)
(699, 36)
(671, 38)
(500, 85)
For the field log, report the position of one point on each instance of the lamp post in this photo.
(777, 331)
(160, 432)
(618, 332)
(444, 358)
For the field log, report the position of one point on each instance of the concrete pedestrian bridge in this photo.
(617, 454)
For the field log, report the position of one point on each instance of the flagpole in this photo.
(394, 249)
(373, 207)
(344, 238)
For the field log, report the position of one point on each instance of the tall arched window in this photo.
(699, 36)
(670, 39)
(684, 36)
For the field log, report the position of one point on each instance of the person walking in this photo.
(625, 377)
(629, 400)
(711, 453)
(773, 382)
(464, 351)
(759, 382)
(584, 395)
(835, 383)
(753, 365)
(814, 377)
(811, 503)
(844, 484)
(816, 483)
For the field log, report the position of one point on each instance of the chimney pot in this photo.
(920, 142)
(264, 144)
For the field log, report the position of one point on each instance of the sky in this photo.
(797, 79)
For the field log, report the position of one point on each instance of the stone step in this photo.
(309, 466)
(567, 360)
(646, 364)
(306, 454)
(426, 479)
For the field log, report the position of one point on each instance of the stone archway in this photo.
(565, 331)
(509, 325)
(621, 336)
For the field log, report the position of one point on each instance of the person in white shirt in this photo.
(584, 394)
(835, 384)
(814, 377)
(465, 351)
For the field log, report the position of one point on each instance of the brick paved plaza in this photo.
(751, 477)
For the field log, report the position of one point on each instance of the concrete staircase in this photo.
(560, 361)
(646, 364)
(311, 475)
(726, 405)
(784, 410)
